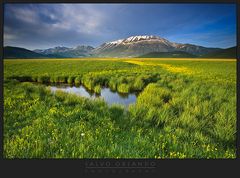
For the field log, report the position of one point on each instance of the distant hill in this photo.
(229, 53)
(175, 54)
(16, 52)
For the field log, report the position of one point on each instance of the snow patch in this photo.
(115, 42)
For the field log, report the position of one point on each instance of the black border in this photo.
(120, 1)
(1, 83)
(238, 79)
(164, 167)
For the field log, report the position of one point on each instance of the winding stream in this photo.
(109, 96)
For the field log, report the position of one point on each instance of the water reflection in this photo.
(109, 96)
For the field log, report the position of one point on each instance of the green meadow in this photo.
(185, 109)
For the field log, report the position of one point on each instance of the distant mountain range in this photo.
(79, 51)
(135, 46)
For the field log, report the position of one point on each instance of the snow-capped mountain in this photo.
(132, 46)
(139, 45)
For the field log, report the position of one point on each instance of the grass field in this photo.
(185, 109)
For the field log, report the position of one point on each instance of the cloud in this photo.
(83, 19)
(9, 37)
(47, 25)
(57, 23)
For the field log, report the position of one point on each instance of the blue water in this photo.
(109, 96)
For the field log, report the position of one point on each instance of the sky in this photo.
(42, 26)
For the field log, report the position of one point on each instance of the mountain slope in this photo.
(139, 45)
(175, 54)
(16, 52)
(230, 53)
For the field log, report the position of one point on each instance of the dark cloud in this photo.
(47, 25)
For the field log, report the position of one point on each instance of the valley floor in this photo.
(185, 109)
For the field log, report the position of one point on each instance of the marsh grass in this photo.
(175, 115)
